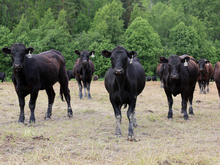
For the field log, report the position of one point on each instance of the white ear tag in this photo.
(29, 55)
(92, 55)
(185, 63)
(207, 64)
(131, 59)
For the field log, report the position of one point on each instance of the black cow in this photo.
(148, 78)
(83, 71)
(2, 76)
(154, 78)
(179, 77)
(204, 75)
(70, 74)
(124, 81)
(37, 72)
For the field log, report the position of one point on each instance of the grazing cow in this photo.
(124, 81)
(83, 71)
(217, 78)
(70, 74)
(154, 78)
(2, 76)
(148, 78)
(95, 78)
(32, 73)
(180, 76)
(204, 75)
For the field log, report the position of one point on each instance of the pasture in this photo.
(88, 137)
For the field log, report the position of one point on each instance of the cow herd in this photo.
(124, 80)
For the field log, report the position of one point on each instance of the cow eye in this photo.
(112, 59)
(169, 65)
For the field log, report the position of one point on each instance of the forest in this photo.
(153, 28)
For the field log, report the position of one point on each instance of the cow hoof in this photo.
(118, 136)
(19, 121)
(131, 138)
(46, 118)
(70, 115)
(186, 117)
(135, 125)
(32, 121)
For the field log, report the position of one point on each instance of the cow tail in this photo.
(61, 93)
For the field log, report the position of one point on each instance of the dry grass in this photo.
(88, 137)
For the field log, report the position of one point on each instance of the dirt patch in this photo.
(88, 137)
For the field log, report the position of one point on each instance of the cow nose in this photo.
(17, 66)
(174, 76)
(200, 69)
(118, 71)
(84, 61)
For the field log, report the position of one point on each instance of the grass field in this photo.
(88, 137)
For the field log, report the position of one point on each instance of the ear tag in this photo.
(29, 55)
(131, 59)
(92, 55)
(207, 64)
(185, 63)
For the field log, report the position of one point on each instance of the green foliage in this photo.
(108, 23)
(185, 40)
(153, 28)
(141, 37)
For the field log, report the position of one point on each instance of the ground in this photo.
(88, 137)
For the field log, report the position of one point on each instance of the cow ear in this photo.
(92, 53)
(106, 53)
(207, 62)
(163, 60)
(6, 50)
(132, 54)
(185, 59)
(77, 52)
(30, 49)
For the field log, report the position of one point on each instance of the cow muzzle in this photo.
(84, 62)
(17, 67)
(118, 71)
(175, 76)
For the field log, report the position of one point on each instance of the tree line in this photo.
(153, 28)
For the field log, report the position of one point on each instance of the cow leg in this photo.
(88, 88)
(51, 95)
(63, 80)
(85, 87)
(117, 117)
(185, 97)
(204, 85)
(161, 83)
(80, 89)
(21, 104)
(190, 101)
(170, 103)
(200, 86)
(32, 103)
(208, 85)
(131, 118)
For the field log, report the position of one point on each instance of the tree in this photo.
(108, 23)
(141, 37)
(185, 40)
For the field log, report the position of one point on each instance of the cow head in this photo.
(201, 62)
(18, 53)
(174, 65)
(84, 56)
(119, 58)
